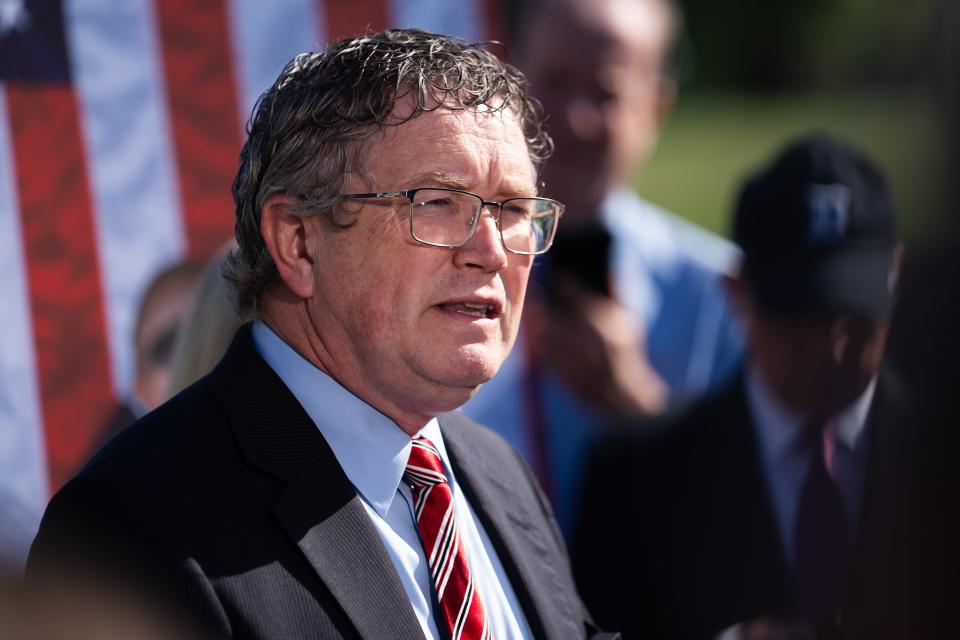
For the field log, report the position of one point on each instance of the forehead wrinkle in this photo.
(466, 154)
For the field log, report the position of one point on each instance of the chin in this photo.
(471, 366)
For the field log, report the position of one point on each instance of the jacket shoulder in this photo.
(183, 423)
(702, 426)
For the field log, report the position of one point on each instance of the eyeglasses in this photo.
(448, 218)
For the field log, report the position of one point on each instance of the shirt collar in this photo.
(851, 421)
(778, 428)
(370, 447)
(432, 433)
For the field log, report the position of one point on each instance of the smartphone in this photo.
(583, 254)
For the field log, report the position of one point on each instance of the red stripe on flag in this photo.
(495, 21)
(202, 93)
(66, 300)
(348, 18)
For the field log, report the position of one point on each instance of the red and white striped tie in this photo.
(433, 507)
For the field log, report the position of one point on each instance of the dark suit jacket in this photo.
(908, 575)
(677, 536)
(228, 504)
(122, 417)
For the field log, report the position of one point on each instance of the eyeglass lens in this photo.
(447, 218)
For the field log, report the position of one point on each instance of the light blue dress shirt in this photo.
(667, 273)
(373, 452)
(785, 455)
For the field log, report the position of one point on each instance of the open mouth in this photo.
(473, 309)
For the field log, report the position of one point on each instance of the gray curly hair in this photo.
(306, 132)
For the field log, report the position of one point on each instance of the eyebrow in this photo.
(441, 179)
(450, 181)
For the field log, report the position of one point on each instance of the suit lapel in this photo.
(889, 509)
(887, 477)
(319, 510)
(738, 494)
(520, 537)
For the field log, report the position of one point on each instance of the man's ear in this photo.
(285, 235)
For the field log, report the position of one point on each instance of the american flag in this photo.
(120, 127)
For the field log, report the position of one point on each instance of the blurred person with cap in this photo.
(747, 504)
(630, 314)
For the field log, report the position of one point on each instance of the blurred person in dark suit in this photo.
(749, 504)
(908, 580)
(630, 314)
(315, 484)
(161, 308)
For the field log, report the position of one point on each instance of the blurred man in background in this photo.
(631, 316)
(748, 504)
(161, 309)
(159, 315)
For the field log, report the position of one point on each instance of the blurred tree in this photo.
(791, 44)
(785, 44)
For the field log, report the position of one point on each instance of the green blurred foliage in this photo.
(778, 44)
(757, 73)
(754, 74)
(714, 140)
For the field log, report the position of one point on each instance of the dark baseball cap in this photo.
(818, 231)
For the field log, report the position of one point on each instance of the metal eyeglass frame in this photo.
(410, 193)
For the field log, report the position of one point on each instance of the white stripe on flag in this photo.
(118, 80)
(462, 19)
(265, 35)
(23, 480)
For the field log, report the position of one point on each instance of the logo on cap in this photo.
(829, 206)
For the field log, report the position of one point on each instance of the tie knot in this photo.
(424, 467)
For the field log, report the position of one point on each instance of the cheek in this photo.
(516, 277)
(780, 345)
(798, 357)
(636, 132)
(384, 301)
(871, 351)
(398, 292)
(364, 299)
(384, 273)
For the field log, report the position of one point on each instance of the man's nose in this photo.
(485, 248)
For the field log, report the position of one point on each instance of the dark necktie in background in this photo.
(822, 542)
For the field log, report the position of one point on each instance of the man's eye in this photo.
(437, 202)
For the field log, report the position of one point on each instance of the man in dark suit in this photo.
(314, 484)
(746, 506)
